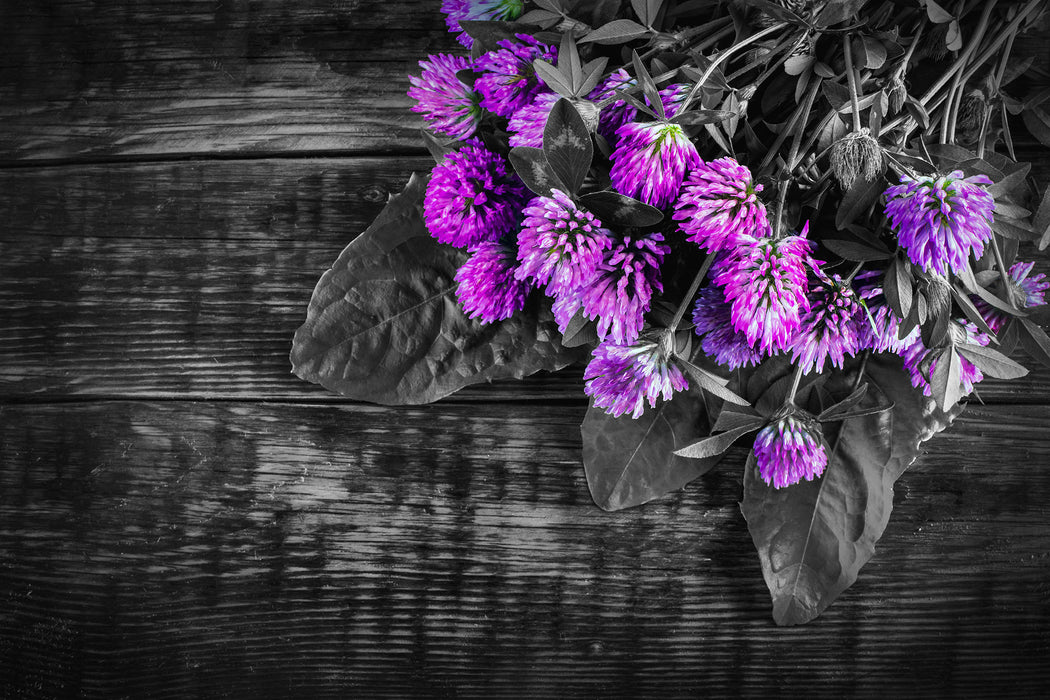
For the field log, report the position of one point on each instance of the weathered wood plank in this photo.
(189, 279)
(81, 80)
(174, 549)
(198, 78)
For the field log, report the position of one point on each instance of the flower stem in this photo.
(1004, 274)
(680, 312)
(794, 385)
(699, 85)
(851, 76)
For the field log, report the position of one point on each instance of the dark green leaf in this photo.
(857, 200)
(1038, 122)
(615, 209)
(631, 461)
(702, 116)
(1012, 184)
(939, 304)
(953, 37)
(567, 145)
(532, 167)
(652, 93)
(946, 386)
(855, 249)
(712, 383)
(383, 324)
(1035, 341)
(774, 10)
(438, 150)
(898, 287)
(732, 417)
(490, 33)
(991, 362)
(963, 300)
(619, 31)
(717, 444)
(937, 14)
(553, 78)
(1041, 222)
(813, 537)
(874, 52)
(836, 11)
(1013, 229)
(592, 74)
(837, 94)
(796, 65)
(579, 331)
(840, 409)
(541, 18)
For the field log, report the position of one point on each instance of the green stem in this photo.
(680, 312)
(1004, 274)
(851, 76)
(723, 56)
(794, 384)
(958, 85)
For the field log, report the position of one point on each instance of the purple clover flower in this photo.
(617, 113)
(1025, 291)
(712, 318)
(921, 366)
(719, 206)
(673, 97)
(488, 288)
(482, 10)
(559, 244)
(765, 283)
(830, 329)
(650, 161)
(941, 221)
(472, 197)
(621, 377)
(527, 125)
(790, 449)
(879, 330)
(620, 292)
(448, 105)
(508, 81)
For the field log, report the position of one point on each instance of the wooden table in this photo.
(182, 517)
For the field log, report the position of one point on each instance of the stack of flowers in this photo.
(746, 217)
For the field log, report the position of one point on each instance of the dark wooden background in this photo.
(182, 517)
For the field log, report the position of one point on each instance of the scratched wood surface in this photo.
(182, 517)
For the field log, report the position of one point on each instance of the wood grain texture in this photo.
(188, 280)
(200, 78)
(250, 550)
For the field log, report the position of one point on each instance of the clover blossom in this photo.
(478, 10)
(765, 284)
(719, 206)
(941, 221)
(527, 125)
(622, 377)
(618, 113)
(650, 161)
(790, 449)
(472, 197)
(488, 288)
(1024, 290)
(559, 244)
(829, 329)
(447, 104)
(507, 80)
(880, 329)
(921, 364)
(620, 291)
(712, 319)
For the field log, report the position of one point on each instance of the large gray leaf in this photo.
(630, 461)
(384, 325)
(813, 537)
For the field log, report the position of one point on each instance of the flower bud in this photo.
(855, 154)
(897, 92)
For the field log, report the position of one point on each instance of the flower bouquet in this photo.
(797, 221)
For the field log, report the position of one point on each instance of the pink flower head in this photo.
(719, 206)
(651, 160)
(621, 378)
(487, 286)
(447, 104)
(790, 449)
